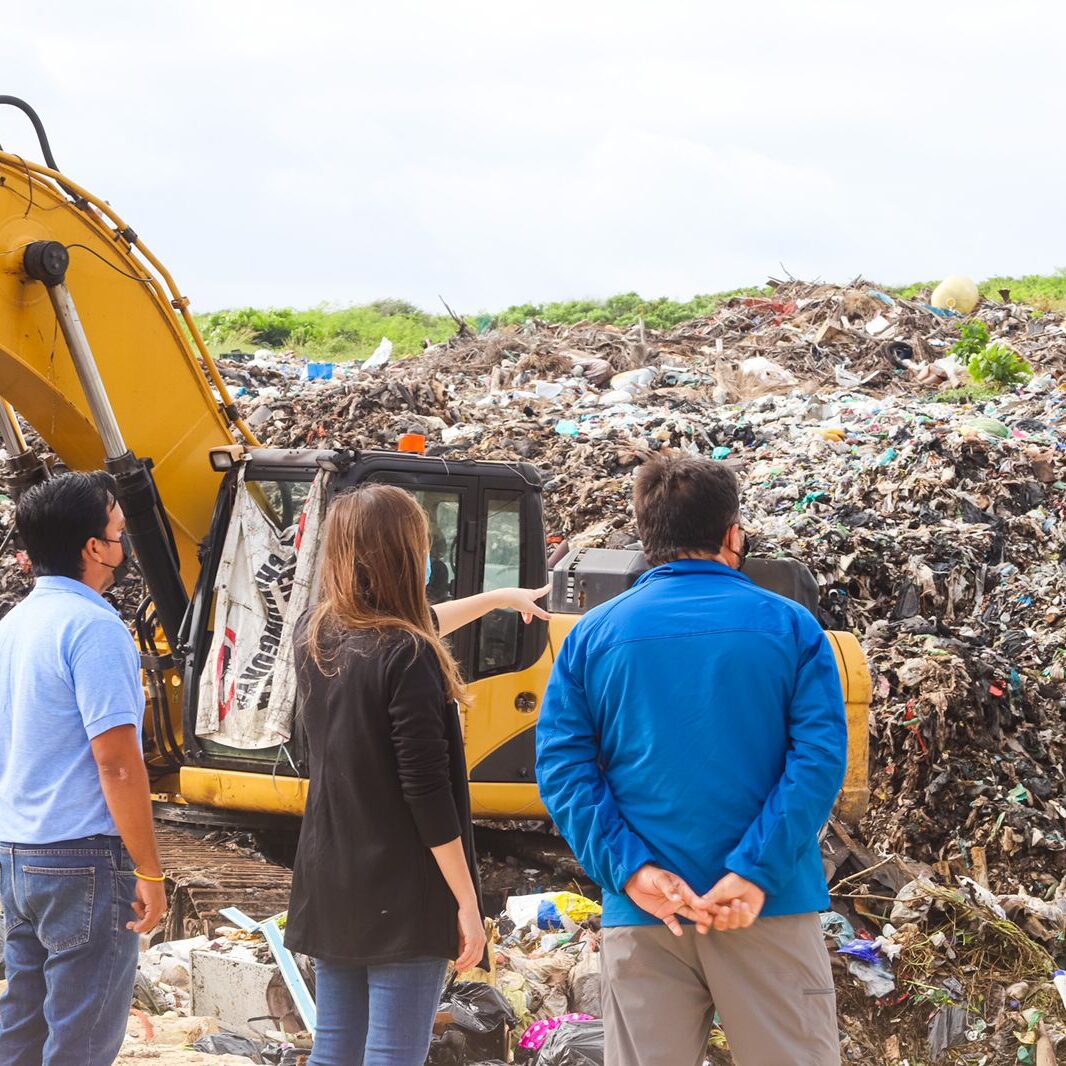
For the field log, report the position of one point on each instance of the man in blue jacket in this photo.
(691, 745)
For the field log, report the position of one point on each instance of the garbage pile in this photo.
(931, 516)
(940, 974)
(924, 973)
(234, 996)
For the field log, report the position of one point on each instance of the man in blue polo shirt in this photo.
(79, 870)
(691, 745)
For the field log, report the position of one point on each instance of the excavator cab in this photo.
(486, 526)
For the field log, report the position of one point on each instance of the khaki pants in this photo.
(771, 984)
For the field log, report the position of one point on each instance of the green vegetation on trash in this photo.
(967, 394)
(342, 333)
(999, 363)
(988, 362)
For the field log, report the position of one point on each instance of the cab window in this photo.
(499, 632)
(281, 501)
(442, 511)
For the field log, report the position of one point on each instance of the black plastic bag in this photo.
(448, 1049)
(947, 1028)
(482, 1019)
(229, 1044)
(477, 1008)
(573, 1044)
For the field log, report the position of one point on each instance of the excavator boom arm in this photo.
(161, 381)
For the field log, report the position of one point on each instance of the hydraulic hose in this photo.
(42, 137)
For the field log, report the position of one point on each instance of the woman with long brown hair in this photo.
(385, 885)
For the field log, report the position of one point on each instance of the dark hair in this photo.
(58, 516)
(684, 505)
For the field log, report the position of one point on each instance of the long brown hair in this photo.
(372, 576)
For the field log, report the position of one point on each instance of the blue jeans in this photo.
(70, 959)
(376, 1015)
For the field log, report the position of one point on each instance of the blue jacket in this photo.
(695, 722)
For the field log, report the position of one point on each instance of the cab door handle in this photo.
(525, 702)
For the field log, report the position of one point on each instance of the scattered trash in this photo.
(1060, 985)
(474, 1024)
(765, 372)
(573, 1044)
(867, 962)
(319, 371)
(230, 1044)
(382, 354)
(565, 910)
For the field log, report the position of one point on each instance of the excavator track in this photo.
(213, 861)
(204, 876)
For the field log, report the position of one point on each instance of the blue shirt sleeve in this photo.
(801, 801)
(572, 785)
(105, 671)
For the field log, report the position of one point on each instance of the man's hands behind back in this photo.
(733, 903)
(662, 894)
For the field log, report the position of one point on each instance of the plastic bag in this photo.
(448, 1049)
(574, 1044)
(585, 985)
(476, 1007)
(867, 950)
(482, 1019)
(534, 1037)
(229, 1044)
(555, 909)
(546, 980)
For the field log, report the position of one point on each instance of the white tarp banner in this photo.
(264, 583)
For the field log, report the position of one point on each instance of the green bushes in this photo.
(326, 333)
(623, 310)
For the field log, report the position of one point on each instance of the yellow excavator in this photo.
(101, 356)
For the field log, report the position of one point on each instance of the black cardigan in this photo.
(387, 783)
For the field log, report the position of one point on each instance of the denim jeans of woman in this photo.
(378, 1015)
(70, 959)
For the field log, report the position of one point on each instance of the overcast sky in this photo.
(499, 153)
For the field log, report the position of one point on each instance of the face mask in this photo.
(121, 570)
(743, 553)
(429, 569)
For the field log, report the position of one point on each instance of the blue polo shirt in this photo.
(69, 671)
(695, 722)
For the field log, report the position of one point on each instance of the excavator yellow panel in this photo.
(239, 790)
(855, 680)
